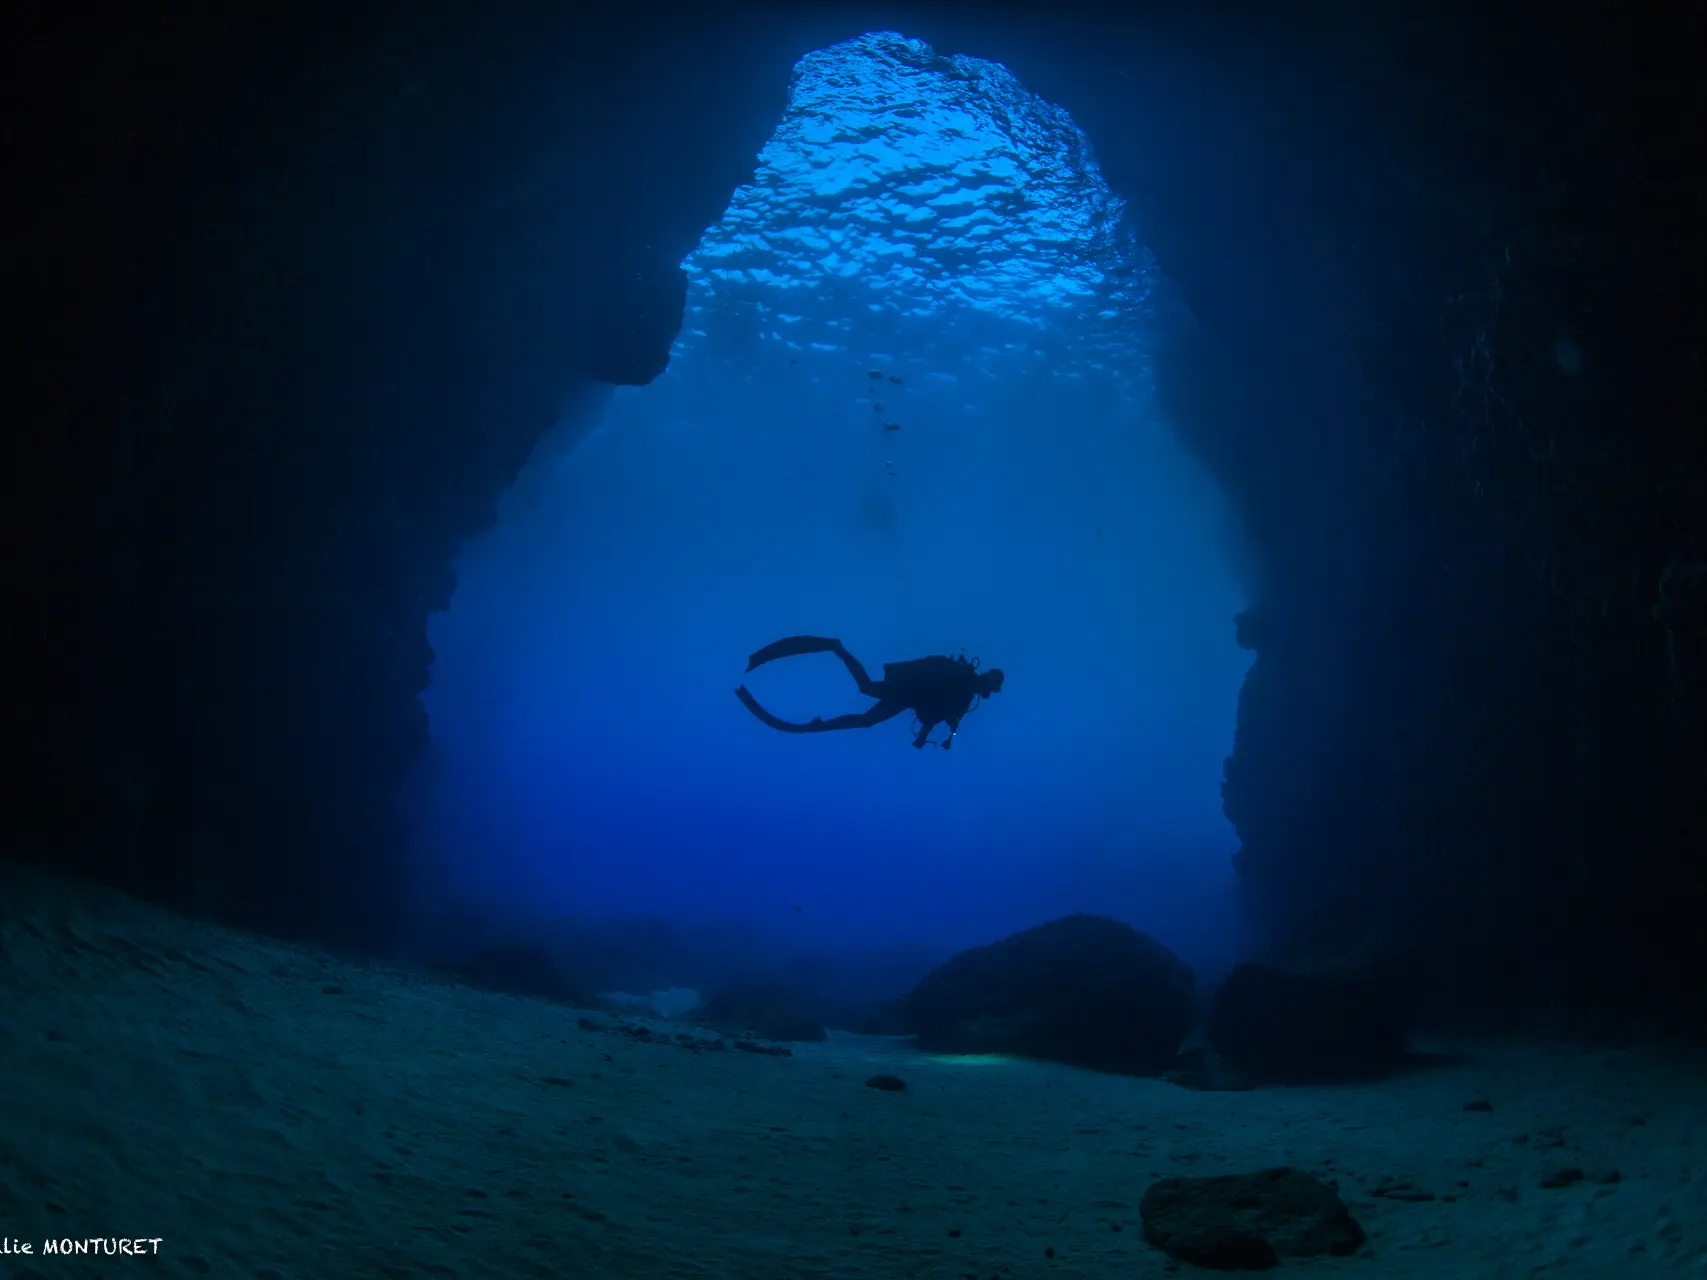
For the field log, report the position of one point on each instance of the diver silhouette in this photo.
(938, 690)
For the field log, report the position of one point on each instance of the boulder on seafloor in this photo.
(1332, 1002)
(1083, 990)
(1248, 1221)
(769, 1010)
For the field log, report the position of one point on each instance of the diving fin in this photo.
(765, 717)
(793, 647)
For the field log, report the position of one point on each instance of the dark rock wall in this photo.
(1521, 762)
(303, 286)
(1451, 270)
(301, 289)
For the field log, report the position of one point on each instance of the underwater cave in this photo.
(856, 641)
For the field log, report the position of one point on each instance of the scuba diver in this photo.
(938, 690)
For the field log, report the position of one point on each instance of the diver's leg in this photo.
(858, 720)
(791, 647)
(869, 687)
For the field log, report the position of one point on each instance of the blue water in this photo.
(910, 408)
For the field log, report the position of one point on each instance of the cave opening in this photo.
(912, 406)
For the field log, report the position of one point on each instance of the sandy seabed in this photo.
(268, 1113)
